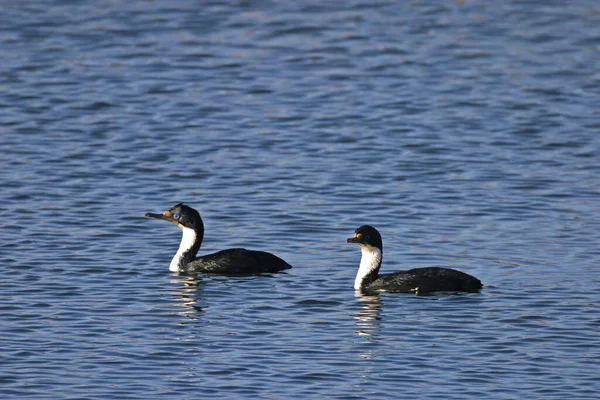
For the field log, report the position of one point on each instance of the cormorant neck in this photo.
(369, 265)
(189, 246)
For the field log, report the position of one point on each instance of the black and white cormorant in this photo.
(230, 261)
(417, 280)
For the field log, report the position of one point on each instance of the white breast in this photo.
(369, 261)
(187, 241)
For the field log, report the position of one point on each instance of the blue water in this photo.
(466, 132)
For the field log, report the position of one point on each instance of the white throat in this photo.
(187, 241)
(370, 261)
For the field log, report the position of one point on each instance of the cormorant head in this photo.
(182, 216)
(366, 235)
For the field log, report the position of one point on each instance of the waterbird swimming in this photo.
(417, 280)
(230, 261)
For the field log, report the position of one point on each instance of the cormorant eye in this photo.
(366, 237)
(176, 216)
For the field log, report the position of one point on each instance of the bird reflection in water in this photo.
(187, 295)
(367, 319)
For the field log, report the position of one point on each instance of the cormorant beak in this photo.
(356, 239)
(166, 216)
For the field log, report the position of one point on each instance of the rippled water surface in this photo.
(467, 132)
